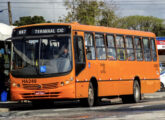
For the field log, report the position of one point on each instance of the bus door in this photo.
(79, 54)
(80, 64)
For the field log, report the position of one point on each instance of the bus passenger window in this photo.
(120, 48)
(100, 46)
(138, 48)
(147, 52)
(130, 50)
(154, 55)
(111, 52)
(89, 45)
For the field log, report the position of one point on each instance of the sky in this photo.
(51, 10)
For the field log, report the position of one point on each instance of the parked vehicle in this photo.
(162, 75)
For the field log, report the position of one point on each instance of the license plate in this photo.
(39, 93)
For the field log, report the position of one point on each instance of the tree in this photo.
(162, 30)
(144, 23)
(26, 20)
(108, 17)
(90, 12)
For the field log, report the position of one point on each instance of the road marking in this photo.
(58, 110)
(139, 106)
(45, 114)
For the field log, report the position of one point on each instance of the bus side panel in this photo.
(150, 78)
(111, 88)
(84, 77)
(82, 89)
(146, 86)
(125, 87)
(108, 88)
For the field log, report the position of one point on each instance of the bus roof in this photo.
(99, 29)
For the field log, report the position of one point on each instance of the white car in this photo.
(162, 75)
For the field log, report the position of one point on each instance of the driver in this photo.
(65, 53)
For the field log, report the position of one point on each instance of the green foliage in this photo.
(93, 12)
(108, 18)
(26, 20)
(90, 12)
(143, 23)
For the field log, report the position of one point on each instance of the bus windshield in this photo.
(42, 56)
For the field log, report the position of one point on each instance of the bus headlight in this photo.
(15, 85)
(65, 82)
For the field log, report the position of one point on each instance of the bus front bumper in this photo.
(64, 92)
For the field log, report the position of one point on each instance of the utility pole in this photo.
(73, 12)
(9, 13)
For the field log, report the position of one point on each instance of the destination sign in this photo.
(48, 31)
(42, 30)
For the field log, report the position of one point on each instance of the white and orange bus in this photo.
(60, 61)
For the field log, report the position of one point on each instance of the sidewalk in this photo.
(154, 95)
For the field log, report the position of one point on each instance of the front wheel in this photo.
(92, 98)
(91, 95)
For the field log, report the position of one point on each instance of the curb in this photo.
(154, 95)
(4, 109)
(7, 102)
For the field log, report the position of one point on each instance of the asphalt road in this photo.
(151, 108)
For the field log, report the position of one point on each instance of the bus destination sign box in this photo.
(42, 30)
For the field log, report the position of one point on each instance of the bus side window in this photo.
(147, 52)
(130, 50)
(89, 45)
(138, 48)
(121, 55)
(100, 46)
(111, 51)
(153, 47)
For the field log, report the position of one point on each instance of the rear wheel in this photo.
(135, 98)
(137, 94)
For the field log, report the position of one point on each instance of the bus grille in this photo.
(40, 87)
(45, 95)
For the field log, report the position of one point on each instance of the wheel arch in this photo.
(137, 78)
(94, 82)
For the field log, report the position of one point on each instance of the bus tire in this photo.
(92, 98)
(161, 86)
(136, 92)
(136, 97)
